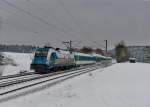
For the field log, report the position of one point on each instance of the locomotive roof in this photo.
(42, 49)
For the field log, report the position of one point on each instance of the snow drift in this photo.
(13, 63)
(120, 85)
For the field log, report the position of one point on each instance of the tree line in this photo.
(91, 50)
(31, 48)
(17, 48)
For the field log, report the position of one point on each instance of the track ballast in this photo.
(16, 89)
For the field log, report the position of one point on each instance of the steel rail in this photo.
(16, 75)
(72, 74)
(4, 84)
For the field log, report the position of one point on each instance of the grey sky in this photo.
(41, 21)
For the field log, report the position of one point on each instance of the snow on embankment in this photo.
(22, 61)
(121, 85)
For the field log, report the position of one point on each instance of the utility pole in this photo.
(68, 45)
(106, 46)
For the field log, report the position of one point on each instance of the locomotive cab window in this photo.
(41, 54)
(53, 56)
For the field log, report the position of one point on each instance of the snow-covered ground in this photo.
(22, 61)
(120, 85)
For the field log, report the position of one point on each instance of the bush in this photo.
(121, 52)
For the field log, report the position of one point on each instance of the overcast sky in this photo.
(88, 22)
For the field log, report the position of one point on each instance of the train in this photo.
(48, 59)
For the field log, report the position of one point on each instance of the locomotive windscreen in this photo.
(41, 53)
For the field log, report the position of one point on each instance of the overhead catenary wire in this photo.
(35, 16)
(69, 29)
(66, 10)
(62, 4)
(23, 27)
(98, 44)
(40, 19)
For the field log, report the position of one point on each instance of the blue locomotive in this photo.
(48, 59)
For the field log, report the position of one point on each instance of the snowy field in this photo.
(120, 85)
(22, 60)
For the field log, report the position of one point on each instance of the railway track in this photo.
(16, 79)
(4, 93)
(16, 75)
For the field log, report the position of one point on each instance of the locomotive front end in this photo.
(40, 62)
